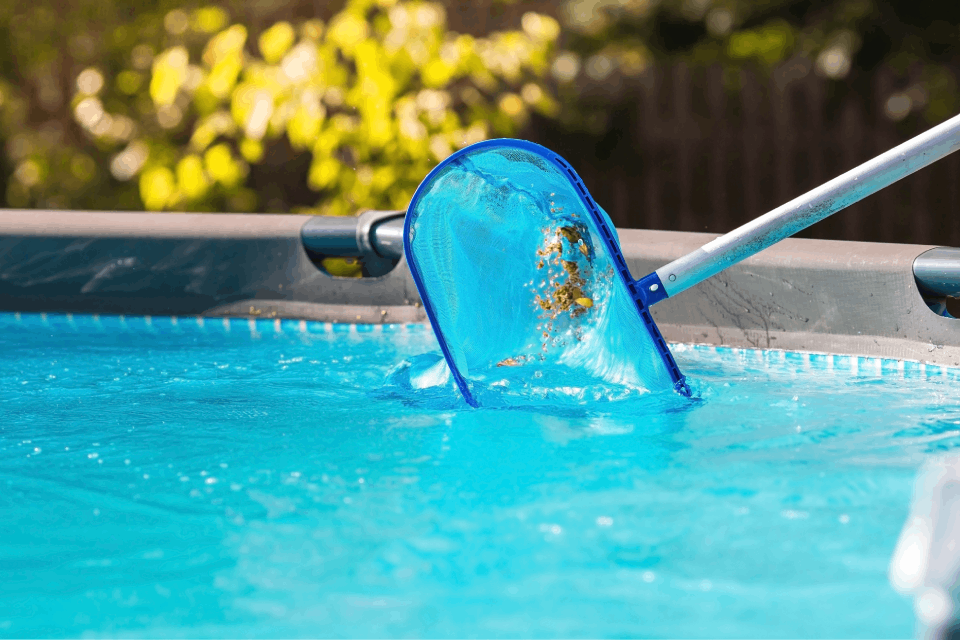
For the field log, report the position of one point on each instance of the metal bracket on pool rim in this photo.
(937, 273)
(376, 237)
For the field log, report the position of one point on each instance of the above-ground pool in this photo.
(213, 477)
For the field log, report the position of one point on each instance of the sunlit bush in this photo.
(170, 106)
(376, 97)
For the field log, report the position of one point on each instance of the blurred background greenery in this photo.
(683, 114)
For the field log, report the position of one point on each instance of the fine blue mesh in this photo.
(513, 271)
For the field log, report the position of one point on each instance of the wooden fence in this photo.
(695, 150)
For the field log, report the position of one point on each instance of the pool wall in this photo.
(184, 264)
(856, 298)
(807, 295)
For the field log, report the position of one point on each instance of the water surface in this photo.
(277, 480)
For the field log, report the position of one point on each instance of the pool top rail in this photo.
(825, 296)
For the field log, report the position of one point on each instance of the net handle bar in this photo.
(803, 211)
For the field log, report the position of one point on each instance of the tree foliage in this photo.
(168, 104)
(179, 108)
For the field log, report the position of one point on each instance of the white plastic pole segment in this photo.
(811, 207)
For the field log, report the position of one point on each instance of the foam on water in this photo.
(274, 479)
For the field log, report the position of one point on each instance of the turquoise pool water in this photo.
(276, 479)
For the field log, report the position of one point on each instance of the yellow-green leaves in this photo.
(276, 41)
(541, 27)
(209, 19)
(323, 173)
(224, 45)
(223, 76)
(437, 73)
(169, 73)
(157, 186)
(373, 93)
(191, 178)
(347, 30)
(251, 150)
(207, 129)
(222, 167)
(304, 126)
(376, 97)
(224, 57)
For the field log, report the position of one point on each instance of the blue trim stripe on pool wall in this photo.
(830, 362)
(260, 327)
(172, 325)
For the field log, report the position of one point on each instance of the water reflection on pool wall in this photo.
(207, 483)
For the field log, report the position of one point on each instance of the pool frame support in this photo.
(808, 295)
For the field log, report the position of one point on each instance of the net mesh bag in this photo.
(520, 289)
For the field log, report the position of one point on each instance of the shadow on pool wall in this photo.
(805, 295)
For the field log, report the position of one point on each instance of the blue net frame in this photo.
(643, 292)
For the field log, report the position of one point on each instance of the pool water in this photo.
(279, 479)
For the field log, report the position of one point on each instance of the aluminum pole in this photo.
(811, 207)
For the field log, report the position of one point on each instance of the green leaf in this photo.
(221, 166)
(169, 73)
(209, 19)
(276, 41)
(157, 186)
(191, 178)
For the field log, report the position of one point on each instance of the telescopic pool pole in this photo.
(801, 212)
